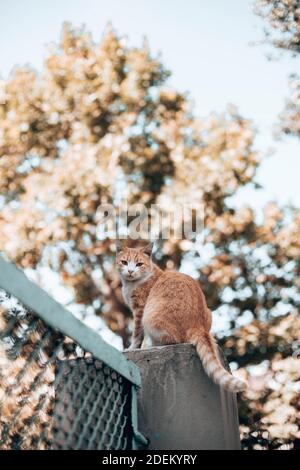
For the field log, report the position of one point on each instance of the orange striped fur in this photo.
(170, 308)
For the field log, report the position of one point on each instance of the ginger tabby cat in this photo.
(170, 308)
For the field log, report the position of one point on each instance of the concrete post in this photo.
(179, 407)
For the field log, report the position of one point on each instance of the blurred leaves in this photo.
(282, 22)
(282, 30)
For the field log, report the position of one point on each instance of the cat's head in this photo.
(134, 263)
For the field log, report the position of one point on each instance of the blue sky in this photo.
(206, 46)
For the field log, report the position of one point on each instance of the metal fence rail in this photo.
(61, 385)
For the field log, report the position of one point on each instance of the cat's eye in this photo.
(139, 264)
(123, 261)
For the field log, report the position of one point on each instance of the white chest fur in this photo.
(128, 288)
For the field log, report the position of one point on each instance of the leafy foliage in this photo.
(282, 18)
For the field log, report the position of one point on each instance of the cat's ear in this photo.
(147, 249)
(119, 246)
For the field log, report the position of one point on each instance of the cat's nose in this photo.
(130, 271)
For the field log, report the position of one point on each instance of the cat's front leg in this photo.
(138, 332)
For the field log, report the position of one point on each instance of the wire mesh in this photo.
(54, 395)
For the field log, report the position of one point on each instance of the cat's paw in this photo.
(132, 347)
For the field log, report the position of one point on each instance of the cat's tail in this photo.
(207, 349)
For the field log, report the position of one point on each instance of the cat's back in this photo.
(176, 299)
(170, 284)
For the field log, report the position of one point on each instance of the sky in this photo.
(207, 47)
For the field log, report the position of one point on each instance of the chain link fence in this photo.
(61, 387)
(94, 409)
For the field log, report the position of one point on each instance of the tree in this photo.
(282, 18)
(100, 118)
(278, 406)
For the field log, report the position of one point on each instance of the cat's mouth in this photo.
(130, 277)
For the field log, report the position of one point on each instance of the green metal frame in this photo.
(139, 440)
(14, 281)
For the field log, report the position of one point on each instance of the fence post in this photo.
(178, 405)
